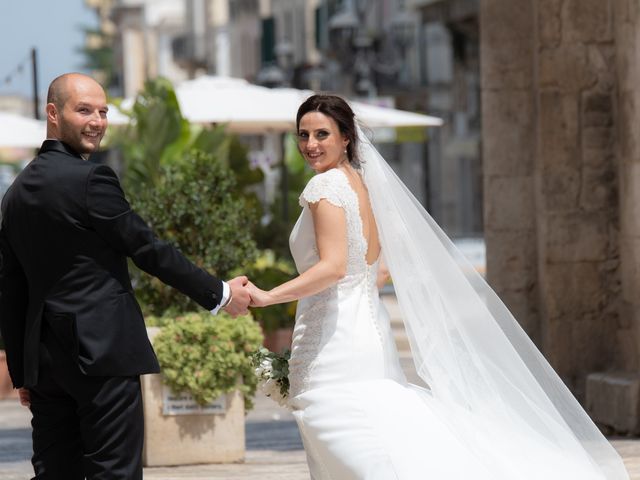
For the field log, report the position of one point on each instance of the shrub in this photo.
(206, 355)
(269, 272)
(194, 207)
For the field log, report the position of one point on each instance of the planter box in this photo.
(190, 438)
(184, 435)
(6, 387)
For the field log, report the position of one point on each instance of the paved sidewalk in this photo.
(274, 448)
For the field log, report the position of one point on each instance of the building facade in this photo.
(416, 55)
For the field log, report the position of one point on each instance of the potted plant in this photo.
(206, 385)
(193, 205)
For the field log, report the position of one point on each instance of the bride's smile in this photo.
(320, 141)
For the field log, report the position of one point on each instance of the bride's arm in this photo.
(330, 227)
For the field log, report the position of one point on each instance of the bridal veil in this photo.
(473, 355)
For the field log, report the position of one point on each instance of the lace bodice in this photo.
(333, 186)
(340, 325)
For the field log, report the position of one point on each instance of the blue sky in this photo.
(53, 27)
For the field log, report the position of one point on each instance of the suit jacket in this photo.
(66, 233)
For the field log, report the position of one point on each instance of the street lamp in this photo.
(354, 44)
(280, 72)
(284, 55)
(344, 24)
(403, 27)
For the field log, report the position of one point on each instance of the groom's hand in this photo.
(240, 298)
(24, 395)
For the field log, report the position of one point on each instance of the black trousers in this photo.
(83, 427)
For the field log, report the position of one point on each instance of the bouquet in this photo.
(272, 371)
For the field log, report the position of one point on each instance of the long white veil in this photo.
(468, 348)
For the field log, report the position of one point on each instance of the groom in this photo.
(74, 335)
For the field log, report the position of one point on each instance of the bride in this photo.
(491, 407)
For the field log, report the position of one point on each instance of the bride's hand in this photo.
(259, 297)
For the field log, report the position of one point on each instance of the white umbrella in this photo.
(17, 131)
(248, 108)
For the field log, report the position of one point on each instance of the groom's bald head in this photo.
(60, 88)
(77, 112)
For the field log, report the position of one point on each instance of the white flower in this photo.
(267, 384)
(266, 366)
(266, 363)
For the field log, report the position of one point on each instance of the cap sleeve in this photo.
(328, 185)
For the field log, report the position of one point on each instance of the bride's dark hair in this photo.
(338, 109)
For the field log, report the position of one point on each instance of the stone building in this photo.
(418, 55)
(561, 149)
(421, 55)
(142, 32)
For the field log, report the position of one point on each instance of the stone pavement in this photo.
(274, 448)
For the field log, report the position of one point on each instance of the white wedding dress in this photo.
(358, 417)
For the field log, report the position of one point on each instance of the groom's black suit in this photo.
(73, 331)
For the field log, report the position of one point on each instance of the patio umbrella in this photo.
(248, 108)
(17, 131)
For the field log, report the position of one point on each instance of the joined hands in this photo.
(240, 298)
(259, 297)
(245, 294)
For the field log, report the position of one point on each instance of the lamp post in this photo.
(403, 28)
(34, 73)
(353, 42)
(284, 54)
(280, 72)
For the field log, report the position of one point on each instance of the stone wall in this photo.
(627, 38)
(560, 155)
(509, 142)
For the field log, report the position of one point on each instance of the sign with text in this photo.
(184, 404)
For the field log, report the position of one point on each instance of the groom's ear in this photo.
(52, 113)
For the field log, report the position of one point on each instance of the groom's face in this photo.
(82, 120)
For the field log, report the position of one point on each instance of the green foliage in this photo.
(247, 178)
(294, 160)
(158, 136)
(206, 355)
(268, 272)
(193, 184)
(194, 207)
(273, 366)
